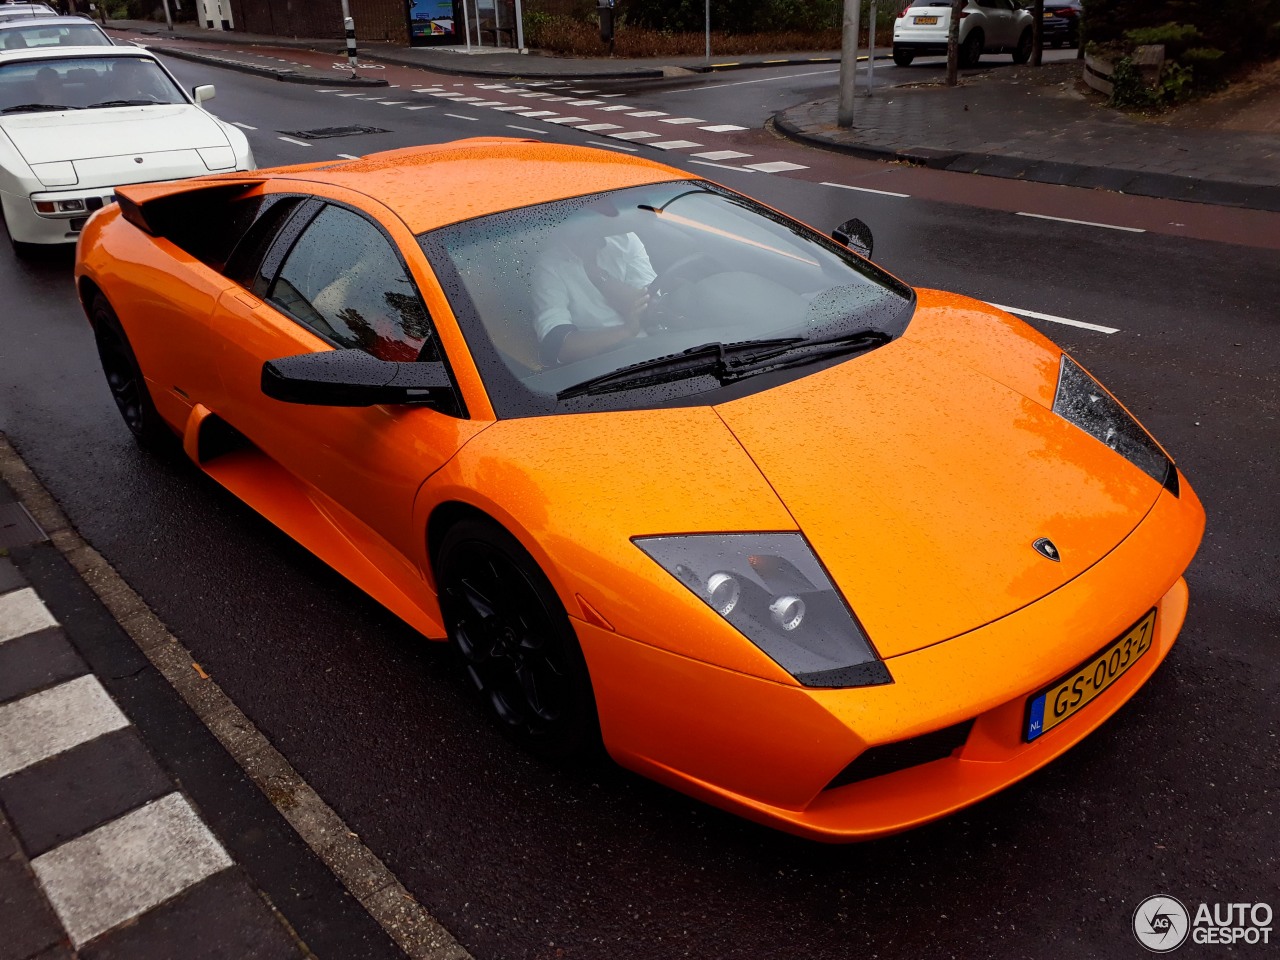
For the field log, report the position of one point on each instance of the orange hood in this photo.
(922, 484)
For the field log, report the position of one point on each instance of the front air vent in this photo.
(892, 757)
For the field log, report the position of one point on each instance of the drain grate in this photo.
(17, 528)
(324, 133)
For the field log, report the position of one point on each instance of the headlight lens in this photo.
(772, 588)
(1082, 400)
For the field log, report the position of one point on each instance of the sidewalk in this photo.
(480, 62)
(102, 854)
(1032, 124)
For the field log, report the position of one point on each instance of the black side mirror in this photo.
(352, 378)
(855, 235)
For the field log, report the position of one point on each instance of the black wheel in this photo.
(125, 380)
(971, 49)
(515, 642)
(903, 58)
(1022, 53)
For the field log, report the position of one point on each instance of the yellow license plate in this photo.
(926, 21)
(1081, 686)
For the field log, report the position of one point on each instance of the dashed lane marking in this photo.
(682, 120)
(883, 193)
(647, 113)
(531, 114)
(634, 135)
(723, 155)
(595, 127)
(461, 116)
(242, 126)
(393, 103)
(564, 119)
(348, 156)
(300, 143)
(512, 126)
(721, 166)
(616, 107)
(1052, 319)
(1083, 223)
(584, 103)
(777, 166)
(424, 106)
(612, 146)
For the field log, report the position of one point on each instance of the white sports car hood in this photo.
(112, 132)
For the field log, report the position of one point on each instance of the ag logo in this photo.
(1161, 923)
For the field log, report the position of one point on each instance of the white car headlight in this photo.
(218, 158)
(60, 173)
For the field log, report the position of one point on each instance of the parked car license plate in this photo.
(1077, 689)
(926, 21)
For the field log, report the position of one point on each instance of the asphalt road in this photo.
(1177, 794)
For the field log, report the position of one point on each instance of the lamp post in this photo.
(849, 62)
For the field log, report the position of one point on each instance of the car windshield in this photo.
(558, 297)
(17, 35)
(54, 83)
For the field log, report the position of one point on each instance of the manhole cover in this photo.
(324, 133)
(17, 528)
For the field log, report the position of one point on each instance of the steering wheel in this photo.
(661, 284)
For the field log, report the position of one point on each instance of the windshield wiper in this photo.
(123, 103)
(714, 358)
(37, 107)
(729, 362)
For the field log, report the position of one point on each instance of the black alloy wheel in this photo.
(1025, 42)
(125, 380)
(515, 642)
(971, 49)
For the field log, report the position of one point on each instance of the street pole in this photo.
(708, 32)
(871, 50)
(466, 22)
(349, 26)
(519, 28)
(168, 17)
(849, 62)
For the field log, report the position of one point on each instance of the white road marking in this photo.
(723, 155)
(741, 83)
(535, 95)
(124, 868)
(557, 99)
(327, 91)
(21, 612)
(612, 146)
(512, 126)
(593, 127)
(393, 103)
(1052, 319)
(722, 128)
(47, 723)
(424, 106)
(564, 119)
(351, 94)
(610, 94)
(348, 156)
(615, 108)
(537, 113)
(1083, 223)
(461, 116)
(721, 166)
(674, 144)
(682, 120)
(777, 166)
(584, 103)
(489, 86)
(883, 193)
(468, 100)
(634, 135)
(518, 106)
(648, 113)
(449, 95)
(491, 103)
(300, 143)
(242, 126)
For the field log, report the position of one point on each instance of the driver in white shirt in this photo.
(590, 288)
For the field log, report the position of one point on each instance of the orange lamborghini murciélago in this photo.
(671, 471)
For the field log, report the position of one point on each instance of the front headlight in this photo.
(1081, 400)
(772, 588)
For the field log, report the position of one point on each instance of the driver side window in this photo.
(344, 281)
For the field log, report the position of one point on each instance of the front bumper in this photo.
(26, 225)
(769, 751)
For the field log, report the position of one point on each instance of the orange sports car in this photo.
(672, 472)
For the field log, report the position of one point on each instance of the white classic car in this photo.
(77, 122)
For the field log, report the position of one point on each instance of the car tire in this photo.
(903, 58)
(1022, 52)
(516, 645)
(971, 49)
(125, 380)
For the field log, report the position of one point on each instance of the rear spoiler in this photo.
(140, 202)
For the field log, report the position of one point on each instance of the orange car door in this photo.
(333, 278)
